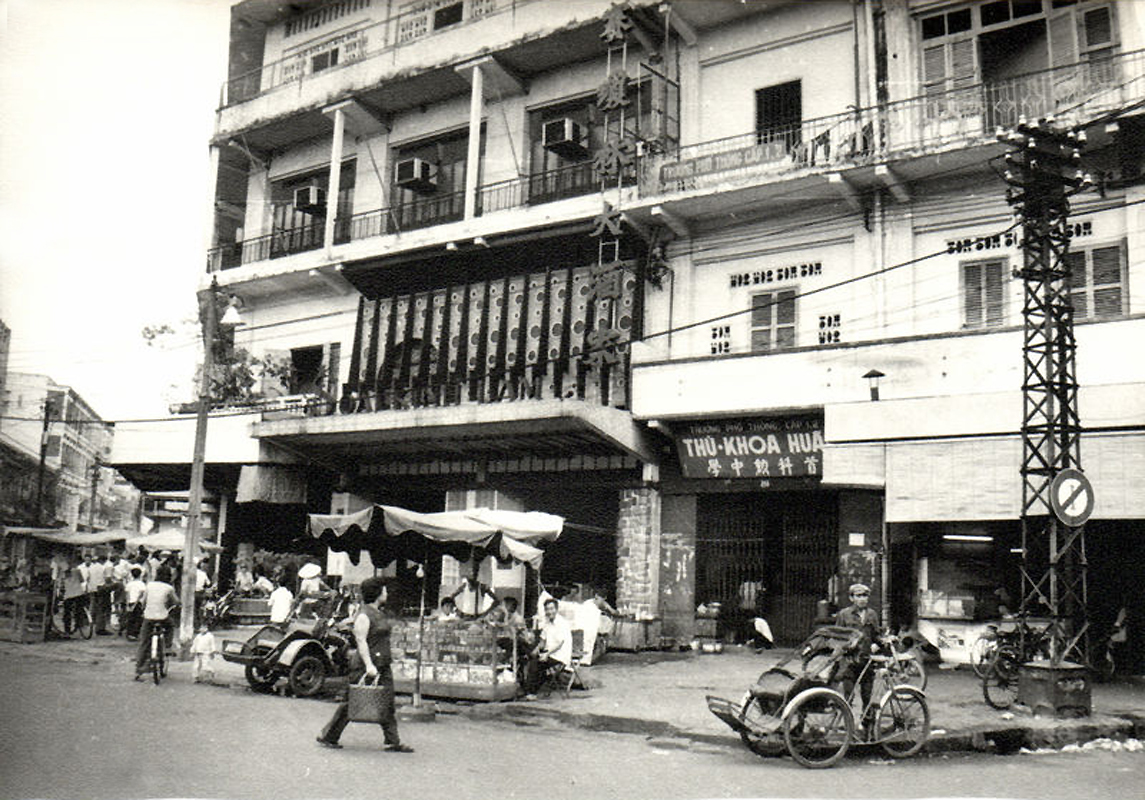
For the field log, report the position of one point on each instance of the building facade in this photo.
(631, 263)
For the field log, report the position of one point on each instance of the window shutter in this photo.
(333, 359)
(1098, 28)
(972, 282)
(1063, 38)
(995, 289)
(934, 68)
(1107, 281)
(962, 63)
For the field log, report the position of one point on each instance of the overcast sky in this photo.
(106, 108)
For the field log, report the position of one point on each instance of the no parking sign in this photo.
(1071, 496)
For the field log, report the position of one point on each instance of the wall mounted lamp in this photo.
(451, 246)
(873, 381)
(231, 315)
(480, 241)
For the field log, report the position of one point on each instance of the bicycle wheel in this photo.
(760, 745)
(158, 668)
(58, 616)
(902, 724)
(84, 623)
(818, 728)
(908, 669)
(980, 654)
(1000, 685)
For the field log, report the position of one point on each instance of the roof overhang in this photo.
(547, 428)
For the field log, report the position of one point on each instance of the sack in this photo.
(370, 702)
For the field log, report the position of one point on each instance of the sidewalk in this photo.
(661, 695)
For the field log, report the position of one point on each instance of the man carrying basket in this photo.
(372, 636)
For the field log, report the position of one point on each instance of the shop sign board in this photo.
(1071, 495)
(762, 448)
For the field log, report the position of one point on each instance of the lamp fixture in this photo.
(967, 537)
(451, 246)
(480, 241)
(231, 317)
(872, 377)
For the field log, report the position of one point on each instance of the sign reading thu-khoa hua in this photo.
(761, 448)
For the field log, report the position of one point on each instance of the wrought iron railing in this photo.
(542, 187)
(276, 244)
(366, 42)
(957, 117)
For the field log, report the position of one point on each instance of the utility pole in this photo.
(94, 489)
(48, 408)
(1044, 171)
(209, 316)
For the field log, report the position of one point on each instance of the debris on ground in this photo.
(1105, 743)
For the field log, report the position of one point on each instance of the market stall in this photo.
(459, 659)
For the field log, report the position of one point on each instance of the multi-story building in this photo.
(57, 446)
(632, 264)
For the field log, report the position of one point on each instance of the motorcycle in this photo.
(305, 658)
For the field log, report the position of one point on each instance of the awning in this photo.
(505, 534)
(168, 540)
(70, 537)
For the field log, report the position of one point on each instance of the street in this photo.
(84, 729)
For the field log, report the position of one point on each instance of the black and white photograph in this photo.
(572, 399)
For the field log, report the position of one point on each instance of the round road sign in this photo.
(1071, 495)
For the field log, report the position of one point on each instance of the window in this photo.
(324, 60)
(983, 292)
(779, 114)
(299, 228)
(443, 200)
(1096, 281)
(447, 15)
(772, 320)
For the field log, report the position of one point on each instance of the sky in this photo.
(106, 110)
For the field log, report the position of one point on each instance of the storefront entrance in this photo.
(768, 554)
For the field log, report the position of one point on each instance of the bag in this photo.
(370, 702)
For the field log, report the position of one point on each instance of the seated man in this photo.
(553, 651)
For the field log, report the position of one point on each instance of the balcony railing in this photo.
(542, 187)
(964, 116)
(369, 41)
(273, 245)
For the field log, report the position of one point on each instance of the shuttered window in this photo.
(1096, 282)
(773, 320)
(983, 293)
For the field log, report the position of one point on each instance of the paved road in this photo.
(85, 730)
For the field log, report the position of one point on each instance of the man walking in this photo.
(372, 629)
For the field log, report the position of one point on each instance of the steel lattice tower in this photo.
(1043, 173)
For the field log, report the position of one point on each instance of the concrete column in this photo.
(473, 159)
(335, 178)
(213, 188)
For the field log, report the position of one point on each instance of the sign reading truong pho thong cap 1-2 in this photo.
(760, 448)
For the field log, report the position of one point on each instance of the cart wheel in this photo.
(307, 676)
(1000, 684)
(753, 712)
(902, 724)
(261, 680)
(818, 728)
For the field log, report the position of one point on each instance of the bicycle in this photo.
(159, 651)
(1013, 647)
(83, 623)
(905, 664)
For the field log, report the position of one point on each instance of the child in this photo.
(204, 648)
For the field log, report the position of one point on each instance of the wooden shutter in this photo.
(934, 69)
(1106, 281)
(1097, 28)
(972, 314)
(962, 69)
(333, 358)
(995, 293)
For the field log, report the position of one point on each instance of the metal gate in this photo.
(785, 541)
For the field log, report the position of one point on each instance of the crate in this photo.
(23, 617)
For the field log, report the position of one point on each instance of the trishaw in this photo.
(804, 704)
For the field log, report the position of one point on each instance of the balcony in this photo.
(900, 130)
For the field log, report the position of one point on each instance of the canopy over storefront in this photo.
(404, 534)
(69, 537)
(168, 540)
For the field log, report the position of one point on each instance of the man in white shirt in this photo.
(281, 604)
(554, 649)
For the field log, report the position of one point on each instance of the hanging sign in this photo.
(760, 447)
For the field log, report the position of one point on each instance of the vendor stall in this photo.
(458, 659)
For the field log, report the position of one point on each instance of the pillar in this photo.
(335, 178)
(473, 159)
(638, 553)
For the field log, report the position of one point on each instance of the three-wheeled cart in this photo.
(804, 704)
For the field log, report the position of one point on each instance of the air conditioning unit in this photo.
(416, 174)
(311, 199)
(565, 138)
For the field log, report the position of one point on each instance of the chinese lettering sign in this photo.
(760, 448)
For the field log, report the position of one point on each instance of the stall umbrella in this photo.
(502, 533)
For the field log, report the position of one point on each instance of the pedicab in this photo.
(805, 704)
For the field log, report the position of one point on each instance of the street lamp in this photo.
(872, 377)
(209, 311)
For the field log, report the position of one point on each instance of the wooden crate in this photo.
(23, 617)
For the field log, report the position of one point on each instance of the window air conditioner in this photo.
(311, 199)
(416, 174)
(565, 138)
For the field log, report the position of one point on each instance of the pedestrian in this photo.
(75, 594)
(133, 592)
(202, 583)
(372, 629)
(204, 649)
(244, 579)
(158, 600)
(103, 592)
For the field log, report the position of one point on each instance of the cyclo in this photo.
(804, 705)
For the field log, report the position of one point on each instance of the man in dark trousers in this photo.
(372, 636)
(860, 616)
